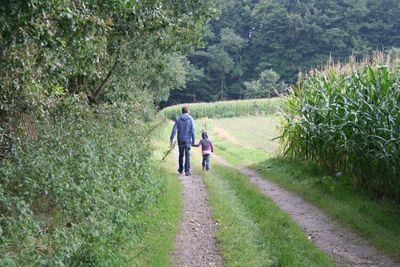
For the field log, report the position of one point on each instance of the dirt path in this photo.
(195, 244)
(346, 247)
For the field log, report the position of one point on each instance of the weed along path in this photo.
(195, 244)
(344, 246)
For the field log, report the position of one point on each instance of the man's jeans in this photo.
(184, 151)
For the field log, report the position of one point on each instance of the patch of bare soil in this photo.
(195, 244)
(343, 245)
(225, 135)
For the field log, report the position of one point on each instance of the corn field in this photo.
(227, 109)
(348, 119)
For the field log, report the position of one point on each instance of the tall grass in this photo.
(348, 118)
(227, 109)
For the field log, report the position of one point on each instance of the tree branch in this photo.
(93, 96)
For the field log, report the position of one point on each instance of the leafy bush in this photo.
(71, 196)
(227, 109)
(349, 121)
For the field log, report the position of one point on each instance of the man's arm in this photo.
(173, 133)
(194, 145)
(212, 147)
(193, 132)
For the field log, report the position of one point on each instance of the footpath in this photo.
(195, 244)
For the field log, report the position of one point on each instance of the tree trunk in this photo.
(222, 88)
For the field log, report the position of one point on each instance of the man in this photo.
(184, 124)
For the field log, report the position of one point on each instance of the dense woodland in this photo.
(253, 45)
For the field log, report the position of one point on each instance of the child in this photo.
(206, 148)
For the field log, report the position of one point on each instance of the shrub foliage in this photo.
(72, 196)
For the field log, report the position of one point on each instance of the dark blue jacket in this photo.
(186, 129)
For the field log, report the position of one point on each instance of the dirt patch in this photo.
(195, 244)
(224, 135)
(345, 246)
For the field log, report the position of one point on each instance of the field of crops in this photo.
(350, 122)
(227, 109)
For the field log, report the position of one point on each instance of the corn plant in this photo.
(349, 122)
(227, 109)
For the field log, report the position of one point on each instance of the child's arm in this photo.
(212, 147)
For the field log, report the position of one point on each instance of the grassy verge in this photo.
(377, 221)
(252, 230)
(162, 221)
(162, 225)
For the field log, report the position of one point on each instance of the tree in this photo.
(80, 46)
(106, 51)
(267, 85)
(220, 63)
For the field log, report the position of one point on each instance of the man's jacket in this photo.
(184, 124)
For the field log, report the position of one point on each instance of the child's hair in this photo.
(204, 135)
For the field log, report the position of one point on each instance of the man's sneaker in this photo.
(188, 174)
(180, 172)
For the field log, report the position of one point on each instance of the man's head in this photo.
(185, 109)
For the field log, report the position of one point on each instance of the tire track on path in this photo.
(195, 244)
(343, 245)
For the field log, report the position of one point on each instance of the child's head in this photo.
(204, 135)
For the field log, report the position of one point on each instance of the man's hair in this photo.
(185, 109)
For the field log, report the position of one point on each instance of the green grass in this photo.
(162, 221)
(252, 230)
(248, 141)
(376, 220)
(155, 247)
(238, 235)
(237, 154)
(253, 132)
